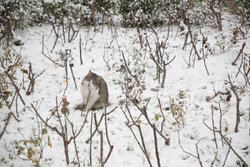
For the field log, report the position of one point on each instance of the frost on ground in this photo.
(187, 118)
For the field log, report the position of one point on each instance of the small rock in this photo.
(167, 108)
(167, 141)
(204, 87)
(18, 43)
(228, 97)
(185, 157)
(244, 148)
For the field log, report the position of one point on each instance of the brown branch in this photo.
(128, 69)
(216, 94)
(98, 124)
(185, 41)
(53, 61)
(215, 158)
(163, 117)
(101, 160)
(133, 133)
(220, 124)
(204, 45)
(106, 126)
(228, 143)
(245, 73)
(90, 144)
(156, 147)
(32, 77)
(12, 101)
(158, 57)
(77, 134)
(172, 111)
(141, 145)
(15, 86)
(233, 88)
(110, 151)
(11, 78)
(74, 141)
(63, 132)
(192, 40)
(72, 73)
(101, 148)
(7, 122)
(165, 71)
(45, 122)
(72, 32)
(179, 141)
(57, 35)
(144, 112)
(217, 15)
(192, 155)
(226, 154)
(198, 154)
(80, 49)
(215, 140)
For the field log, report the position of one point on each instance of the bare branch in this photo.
(228, 143)
(156, 147)
(15, 86)
(7, 122)
(241, 52)
(98, 124)
(233, 88)
(215, 140)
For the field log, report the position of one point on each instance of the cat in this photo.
(94, 91)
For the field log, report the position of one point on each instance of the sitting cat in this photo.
(94, 91)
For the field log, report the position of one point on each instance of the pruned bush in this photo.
(10, 62)
(144, 12)
(20, 13)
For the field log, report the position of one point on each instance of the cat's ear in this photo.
(90, 72)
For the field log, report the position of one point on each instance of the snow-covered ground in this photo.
(188, 87)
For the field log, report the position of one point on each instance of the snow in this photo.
(194, 82)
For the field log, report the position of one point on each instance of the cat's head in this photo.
(90, 75)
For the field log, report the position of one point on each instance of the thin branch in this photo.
(192, 40)
(228, 143)
(215, 158)
(80, 49)
(98, 124)
(241, 52)
(15, 86)
(74, 141)
(163, 117)
(144, 112)
(101, 148)
(233, 88)
(73, 76)
(53, 61)
(215, 140)
(224, 163)
(110, 151)
(45, 122)
(142, 146)
(156, 147)
(126, 65)
(106, 126)
(179, 141)
(7, 122)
